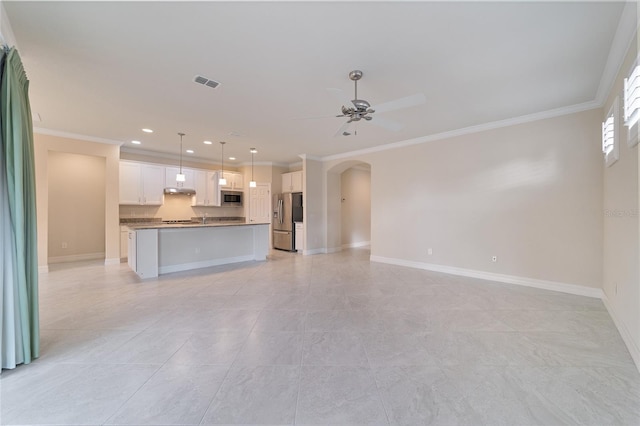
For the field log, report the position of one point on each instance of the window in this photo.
(610, 135)
(632, 104)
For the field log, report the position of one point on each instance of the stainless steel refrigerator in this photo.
(286, 208)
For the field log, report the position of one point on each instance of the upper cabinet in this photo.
(206, 186)
(141, 184)
(144, 183)
(235, 181)
(292, 182)
(170, 177)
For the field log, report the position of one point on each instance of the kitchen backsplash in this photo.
(178, 208)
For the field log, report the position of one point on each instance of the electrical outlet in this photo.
(64, 245)
(494, 259)
(197, 250)
(429, 251)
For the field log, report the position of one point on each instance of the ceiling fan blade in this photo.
(406, 102)
(342, 129)
(390, 125)
(341, 96)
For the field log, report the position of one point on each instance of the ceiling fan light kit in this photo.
(360, 109)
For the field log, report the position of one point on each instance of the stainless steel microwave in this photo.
(231, 198)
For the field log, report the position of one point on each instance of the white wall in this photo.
(314, 206)
(355, 207)
(530, 194)
(76, 207)
(43, 144)
(621, 276)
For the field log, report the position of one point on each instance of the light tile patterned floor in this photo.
(317, 340)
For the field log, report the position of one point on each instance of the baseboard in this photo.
(76, 257)
(491, 276)
(314, 251)
(204, 264)
(43, 269)
(113, 261)
(356, 245)
(624, 332)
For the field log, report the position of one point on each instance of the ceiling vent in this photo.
(204, 80)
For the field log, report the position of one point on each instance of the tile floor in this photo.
(317, 340)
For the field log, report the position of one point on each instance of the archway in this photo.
(348, 205)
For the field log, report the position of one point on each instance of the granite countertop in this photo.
(188, 225)
(156, 222)
(195, 222)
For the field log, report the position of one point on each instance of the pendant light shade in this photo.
(180, 177)
(222, 181)
(252, 183)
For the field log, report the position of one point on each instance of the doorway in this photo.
(355, 211)
(348, 205)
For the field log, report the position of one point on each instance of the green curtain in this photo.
(19, 321)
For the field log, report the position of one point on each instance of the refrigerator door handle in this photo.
(281, 209)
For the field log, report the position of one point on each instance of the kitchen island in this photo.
(164, 248)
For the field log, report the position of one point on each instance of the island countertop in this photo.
(160, 225)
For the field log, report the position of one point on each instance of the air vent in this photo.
(204, 80)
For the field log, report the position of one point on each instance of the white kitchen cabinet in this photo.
(299, 237)
(141, 184)
(292, 182)
(143, 252)
(124, 242)
(131, 250)
(235, 181)
(206, 186)
(170, 174)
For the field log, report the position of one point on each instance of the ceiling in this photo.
(108, 69)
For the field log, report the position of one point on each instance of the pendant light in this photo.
(252, 183)
(222, 181)
(180, 177)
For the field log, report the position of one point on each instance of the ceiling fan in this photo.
(359, 109)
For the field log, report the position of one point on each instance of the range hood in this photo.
(171, 190)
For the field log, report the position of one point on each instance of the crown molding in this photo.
(572, 109)
(262, 163)
(50, 132)
(622, 41)
(309, 157)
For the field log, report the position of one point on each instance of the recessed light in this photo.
(147, 130)
(189, 151)
(207, 142)
(232, 158)
(136, 142)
